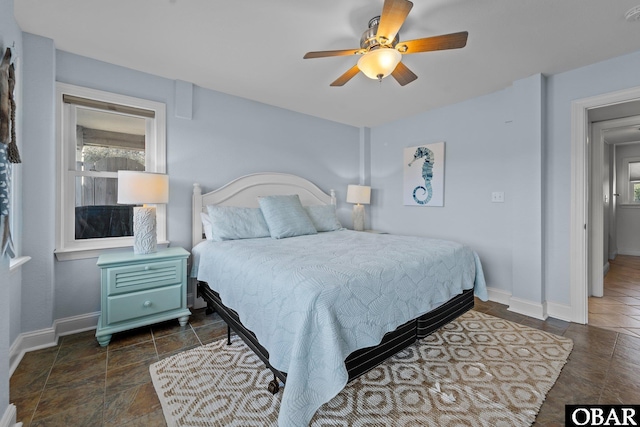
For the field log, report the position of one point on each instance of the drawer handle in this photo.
(147, 304)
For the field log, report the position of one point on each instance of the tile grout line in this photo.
(606, 374)
(35, 408)
(195, 333)
(153, 339)
(104, 394)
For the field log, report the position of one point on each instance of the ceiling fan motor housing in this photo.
(369, 40)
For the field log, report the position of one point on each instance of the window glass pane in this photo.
(109, 141)
(636, 191)
(97, 213)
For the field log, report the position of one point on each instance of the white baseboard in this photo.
(9, 417)
(192, 297)
(528, 308)
(199, 303)
(559, 311)
(498, 295)
(539, 311)
(48, 337)
(29, 341)
(605, 269)
(631, 252)
(613, 254)
(75, 324)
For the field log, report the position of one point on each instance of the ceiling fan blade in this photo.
(327, 53)
(403, 75)
(340, 81)
(428, 44)
(394, 12)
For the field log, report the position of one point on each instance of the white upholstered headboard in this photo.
(244, 192)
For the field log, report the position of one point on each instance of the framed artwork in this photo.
(424, 175)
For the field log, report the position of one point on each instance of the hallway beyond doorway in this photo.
(619, 308)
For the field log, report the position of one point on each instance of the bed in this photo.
(321, 308)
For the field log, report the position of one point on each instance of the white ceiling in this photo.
(254, 48)
(623, 135)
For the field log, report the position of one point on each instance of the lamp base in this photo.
(358, 217)
(144, 230)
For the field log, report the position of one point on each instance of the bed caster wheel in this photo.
(273, 387)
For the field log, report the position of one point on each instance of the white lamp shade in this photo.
(142, 187)
(379, 63)
(360, 194)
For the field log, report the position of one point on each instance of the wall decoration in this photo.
(8, 107)
(8, 148)
(424, 175)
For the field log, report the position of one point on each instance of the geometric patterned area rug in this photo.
(478, 370)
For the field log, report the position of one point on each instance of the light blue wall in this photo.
(39, 190)
(518, 141)
(10, 36)
(5, 343)
(227, 137)
(596, 79)
(526, 197)
(479, 153)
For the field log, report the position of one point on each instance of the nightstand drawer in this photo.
(145, 303)
(138, 277)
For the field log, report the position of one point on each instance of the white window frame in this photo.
(627, 189)
(67, 247)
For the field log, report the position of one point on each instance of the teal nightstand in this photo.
(138, 290)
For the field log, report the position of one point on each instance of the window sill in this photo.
(16, 263)
(75, 254)
(629, 205)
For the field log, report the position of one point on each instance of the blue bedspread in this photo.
(312, 300)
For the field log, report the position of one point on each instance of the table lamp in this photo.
(360, 195)
(140, 188)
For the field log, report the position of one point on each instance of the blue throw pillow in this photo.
(231, 223)
(285, 216)
(323, 217)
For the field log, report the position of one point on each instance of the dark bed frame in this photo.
(360, 361)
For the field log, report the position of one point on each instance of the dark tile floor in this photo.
(79, 383)
(619, 308)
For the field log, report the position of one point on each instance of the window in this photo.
(635, 192)
(99, 134)
(631, 167)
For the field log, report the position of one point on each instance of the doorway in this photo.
(613, 301)
(586, 234)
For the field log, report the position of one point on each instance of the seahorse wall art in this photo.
(427, 175)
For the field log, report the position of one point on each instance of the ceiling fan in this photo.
(381, 51)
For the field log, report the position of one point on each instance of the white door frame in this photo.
(580, 147)
(595, 280)
(597, 238)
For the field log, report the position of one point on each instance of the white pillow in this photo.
(206, 226)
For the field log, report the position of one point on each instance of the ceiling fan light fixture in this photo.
(379, 63)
